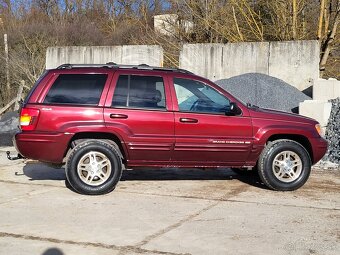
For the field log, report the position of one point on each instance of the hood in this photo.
(257, 112)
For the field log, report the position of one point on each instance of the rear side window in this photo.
(135, 91)
(83, 89)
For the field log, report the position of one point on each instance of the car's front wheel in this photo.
(94, 167)
(284, 165)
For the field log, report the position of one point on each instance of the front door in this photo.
(204, 134)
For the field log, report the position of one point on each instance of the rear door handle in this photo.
(118, 116)
(188, 120)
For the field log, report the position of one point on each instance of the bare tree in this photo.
(327, 30)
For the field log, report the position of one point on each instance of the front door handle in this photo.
(188, 120)
(118, 116)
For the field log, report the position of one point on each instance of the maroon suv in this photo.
(100, 119)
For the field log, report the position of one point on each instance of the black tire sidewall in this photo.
(109, 184)
(268, 166)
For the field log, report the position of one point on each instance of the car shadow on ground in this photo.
(192, 174)
(37, 171)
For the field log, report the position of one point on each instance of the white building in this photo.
(170, 24)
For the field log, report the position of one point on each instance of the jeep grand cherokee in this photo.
(99, 119)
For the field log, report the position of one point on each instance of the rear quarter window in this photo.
(30, 93)
(83, 89)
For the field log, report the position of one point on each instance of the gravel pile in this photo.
(8, 127)
(264, 91)
(333, 133)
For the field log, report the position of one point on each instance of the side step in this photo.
(13, 158)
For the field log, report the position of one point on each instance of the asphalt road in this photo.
(166, 211)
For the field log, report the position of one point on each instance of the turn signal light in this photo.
(319, 129)
(28, 118)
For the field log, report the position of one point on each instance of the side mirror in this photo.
(233, 110)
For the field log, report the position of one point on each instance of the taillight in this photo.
(28, 118)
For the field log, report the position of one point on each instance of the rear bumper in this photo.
(45, 147)
(319, 147)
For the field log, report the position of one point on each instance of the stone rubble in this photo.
(333, 133)
(9, 123)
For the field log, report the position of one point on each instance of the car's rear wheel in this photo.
(94, 167)
(284, 165)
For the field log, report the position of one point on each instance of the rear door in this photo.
(204, 134)
(138, 109)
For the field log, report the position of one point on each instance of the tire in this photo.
(94, 167)
(284, 165)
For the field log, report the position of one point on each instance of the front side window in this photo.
(83, 89)
(133, 91)
(195, 96)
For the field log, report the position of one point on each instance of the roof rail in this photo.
(70, 66)
(114, 65)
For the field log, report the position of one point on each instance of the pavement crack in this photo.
(122, 249)
(190, 217)
(226, 199)
(272, 204)
(176, 225)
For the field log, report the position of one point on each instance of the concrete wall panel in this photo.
(218, 61)
(127, 54)
(318, 110)
(326, 89)
(240, 58)
(296, 63)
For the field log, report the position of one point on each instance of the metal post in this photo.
(19, 95)
(7, 64)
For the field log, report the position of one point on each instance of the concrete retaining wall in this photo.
(127, 54)
(319, 108)
(295, 62)
(326, 89)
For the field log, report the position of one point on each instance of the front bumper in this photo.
(44, 147)
(319, 147)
